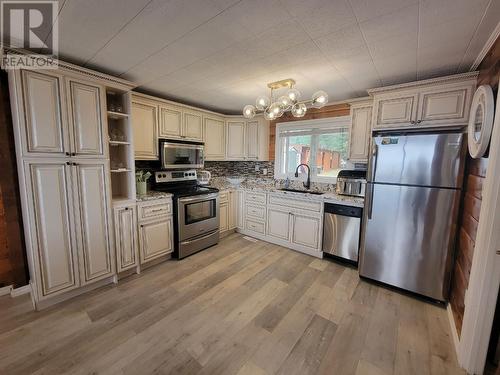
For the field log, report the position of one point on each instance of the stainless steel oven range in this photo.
(196, 211)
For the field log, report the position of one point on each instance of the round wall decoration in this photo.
(480, 121)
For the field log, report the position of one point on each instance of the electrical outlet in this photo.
(264, 171)
(257, 167)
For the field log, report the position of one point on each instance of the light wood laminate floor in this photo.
(241, 307)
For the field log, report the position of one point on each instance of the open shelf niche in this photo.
(121, 151)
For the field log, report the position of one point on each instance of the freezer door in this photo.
(418, 159)
(408, 237)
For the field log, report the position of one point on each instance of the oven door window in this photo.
(199, 211)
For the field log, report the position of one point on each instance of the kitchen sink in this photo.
(303, 191)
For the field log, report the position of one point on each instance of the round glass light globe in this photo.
(276, 109)
(268, 115)
(319, 99)
(285, 101)
(249, 111)
(262, 102)
(293, 94)
(299, 110)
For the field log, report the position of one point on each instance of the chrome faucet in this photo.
(307, 184)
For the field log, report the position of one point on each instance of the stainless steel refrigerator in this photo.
(413, 192)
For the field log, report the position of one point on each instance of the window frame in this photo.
(307, 125)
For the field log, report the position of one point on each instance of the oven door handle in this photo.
(199, 198)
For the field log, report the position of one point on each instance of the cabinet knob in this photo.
(67, 154)
(73, 154)
(68, 163)
(126, 208)
(419, 121)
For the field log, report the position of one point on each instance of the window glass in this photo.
(298, 151)
(332, 153)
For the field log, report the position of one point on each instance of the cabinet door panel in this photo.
(170, 121)
(443, 105)
(44, 108)
(94, 241)
(278, 224)
(233, 207)
(52, 243)
(145, 130)
(240, 210)
(252, 140)
(360, 133)
(235, 147)
(86, 117)
(126, 238)
(193, 126)
(396, 111)
(215, 139)
(224, 217)
(306, 230)
(155, 239)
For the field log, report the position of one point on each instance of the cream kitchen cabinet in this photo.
(236, 140)
(228, 206)
(438, 102)
(64, 116)
(156, 237)
(52, 237)
(214, 129)
(240, 209)
(69, 213)
(93, 220)
(305, 230)
(193, 125)
(359, 138)
(233, 210)
(145, 128)
(170, 121)
(180, 123)
(278, 223)
(126, 244)
(252, 140)
(224, 215)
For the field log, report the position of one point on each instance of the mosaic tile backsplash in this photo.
(240, 168)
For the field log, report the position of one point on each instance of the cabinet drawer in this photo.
(293, 203)
(255, 198)
(255, 226)
(224, 197)
(155, 210)
(256, 212)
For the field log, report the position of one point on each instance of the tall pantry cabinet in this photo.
(61, 138)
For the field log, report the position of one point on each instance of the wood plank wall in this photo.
(475, 173)
(335, 110)
(13, 264)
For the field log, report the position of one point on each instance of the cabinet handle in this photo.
(157, 210)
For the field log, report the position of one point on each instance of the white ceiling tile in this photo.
(83, 31)
(159, 24)
(440, 11)
(398, 44)
(321, 17)
(401, 21)
(368, 9)
(342, 42)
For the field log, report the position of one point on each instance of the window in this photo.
(321, 144)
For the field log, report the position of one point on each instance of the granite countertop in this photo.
(269, 186)
(151, 195)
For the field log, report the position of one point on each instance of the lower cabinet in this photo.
(155, 239)
(228, 211)
(224, 217)
(126, 243)
(68, 209)
(278, 224)
(306, 230)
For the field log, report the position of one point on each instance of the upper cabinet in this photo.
(252, 140)
(63, 116)
(424, 104)
(215, 137)
(86, 119)
(359, 139)
(145, 128)
(45, 113)
(180, 123)
(235, 140)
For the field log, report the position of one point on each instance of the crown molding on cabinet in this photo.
(425, 82)
(69, 68)
(487, 46)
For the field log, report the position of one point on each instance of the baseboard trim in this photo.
(4, 291)
(454, 333)
(16, 292)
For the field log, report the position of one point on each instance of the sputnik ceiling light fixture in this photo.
(273, 109)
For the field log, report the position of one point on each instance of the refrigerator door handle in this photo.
(369, 200)
(373, 162)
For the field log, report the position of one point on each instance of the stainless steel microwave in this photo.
(181, 155)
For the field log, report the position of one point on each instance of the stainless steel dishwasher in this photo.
(341, 231)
